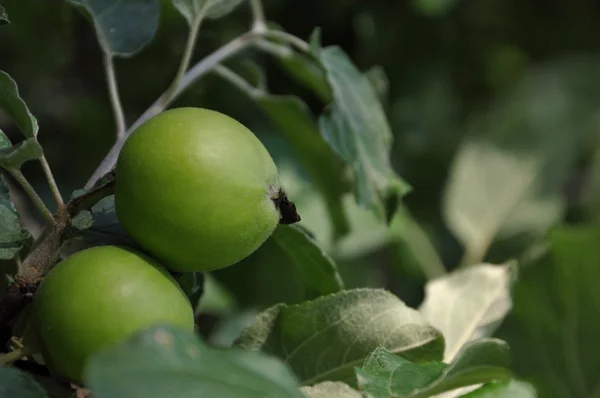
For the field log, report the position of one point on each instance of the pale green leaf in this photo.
(326, 338)
(331, 389)
(508, 176)
(468, 304)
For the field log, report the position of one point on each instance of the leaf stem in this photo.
(197, 71)
(52, 182)
(187, 54)
(288, 38)
(10, 357)
(259, 24)
(35, 198)
(237, 81)
(113, 91)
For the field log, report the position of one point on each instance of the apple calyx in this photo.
(287, 208)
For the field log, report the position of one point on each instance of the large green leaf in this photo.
(555, 323)
(357, 129)
(168, 362)
(504, 389)
(14, 383)
(387, 375)
(14, 106)
(212, 9)
(297, 125)
(507, 178)
(123, 27)
(468, 304)
(316, 268)
(326, 338)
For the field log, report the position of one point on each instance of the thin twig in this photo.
(187, 54)
(237, 81)
(35, 198)
(259, 24)
(113, 91)
(288, 38)
(51, 182)
(197, 71)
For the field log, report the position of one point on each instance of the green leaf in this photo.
(14, 157)
(15, 107)
(508, 176)
(307, 72)
(554, 326)
(504, 389)
(14, 383)
(211, 9)
(3, 16)
(331, 389)
(357, 129)
(123, 27)
(97, 227)
(326, 338)
(167, 362)
(317, 269)
(297, 125)
(387, 375)
(12, 236)
(468, 304)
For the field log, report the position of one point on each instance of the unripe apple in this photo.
(198, 190)
(99, 297)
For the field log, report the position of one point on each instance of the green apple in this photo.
(99, 297)
(198, 190)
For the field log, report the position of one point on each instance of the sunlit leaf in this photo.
(468, 304)
(331, 389)
(508, 176)
(327, 338)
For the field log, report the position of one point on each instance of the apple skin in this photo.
(197, 189)
(99, 297)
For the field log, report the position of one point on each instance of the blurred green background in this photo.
(520, 75)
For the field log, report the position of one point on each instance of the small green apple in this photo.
(99, 297)
(198, 190)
